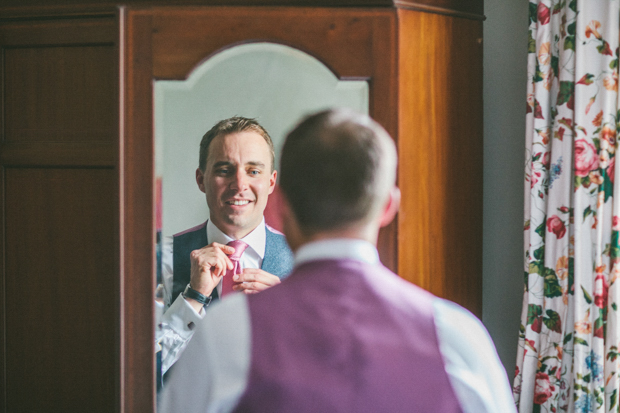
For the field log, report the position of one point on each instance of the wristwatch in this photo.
(196, 295)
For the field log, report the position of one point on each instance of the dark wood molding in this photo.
(50, 10)
(468, 10)
(137, 211)
(3, 332)
(30, 9)
(90, 30)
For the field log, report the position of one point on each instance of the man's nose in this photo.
(239, 181)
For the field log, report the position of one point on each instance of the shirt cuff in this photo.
(182, 317)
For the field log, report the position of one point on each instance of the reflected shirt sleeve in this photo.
(213, 371)
(176, 326)
(175, 330)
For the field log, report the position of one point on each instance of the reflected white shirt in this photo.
(175, 327)
(214, 373)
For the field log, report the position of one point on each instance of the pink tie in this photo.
(227, 281)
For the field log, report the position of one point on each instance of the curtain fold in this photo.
(567, 359)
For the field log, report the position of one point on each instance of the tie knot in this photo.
(239, 247)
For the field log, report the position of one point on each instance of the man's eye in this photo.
(254, 172)
(222, 171)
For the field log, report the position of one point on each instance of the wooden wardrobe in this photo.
(77, 166)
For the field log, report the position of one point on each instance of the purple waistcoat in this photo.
(343, 336)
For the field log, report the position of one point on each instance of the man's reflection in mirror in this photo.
(234, 251)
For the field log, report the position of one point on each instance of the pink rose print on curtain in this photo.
(555, 225)
(544, 13)
(586, 158)
(544, 389)
(546, 160)
(601, 289)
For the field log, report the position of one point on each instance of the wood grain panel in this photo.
(60, 290)
(177, 50)
(59, 316)
(59, 93)
(68, 154)
(440, 149)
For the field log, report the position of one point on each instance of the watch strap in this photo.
(196, 295)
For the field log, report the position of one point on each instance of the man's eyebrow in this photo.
(256, 163)
(222, 163)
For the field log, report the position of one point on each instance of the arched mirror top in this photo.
(262, 53)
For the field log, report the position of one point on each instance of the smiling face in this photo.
(237, 180)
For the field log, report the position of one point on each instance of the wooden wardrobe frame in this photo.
(415, 93)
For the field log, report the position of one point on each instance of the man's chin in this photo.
(238, 223)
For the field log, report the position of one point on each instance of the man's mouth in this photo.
(238, 202)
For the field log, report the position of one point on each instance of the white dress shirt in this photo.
(175, 327)
(217, 361)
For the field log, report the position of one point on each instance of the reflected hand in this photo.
(254, 280)
(208, 265)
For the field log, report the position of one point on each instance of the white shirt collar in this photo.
(255, 239)
(338, 248)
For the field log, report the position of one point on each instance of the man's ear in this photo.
(200, 179)
(391, 207)
(272, 181)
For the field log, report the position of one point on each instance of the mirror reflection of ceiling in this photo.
(275, 84)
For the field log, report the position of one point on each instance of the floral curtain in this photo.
(569, 336)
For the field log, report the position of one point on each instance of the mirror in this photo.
(273, 83)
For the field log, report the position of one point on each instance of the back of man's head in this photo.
(337, 169)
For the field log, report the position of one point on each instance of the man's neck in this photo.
(235, 233)
(255, 238)
(364, 232)
(337, 249)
